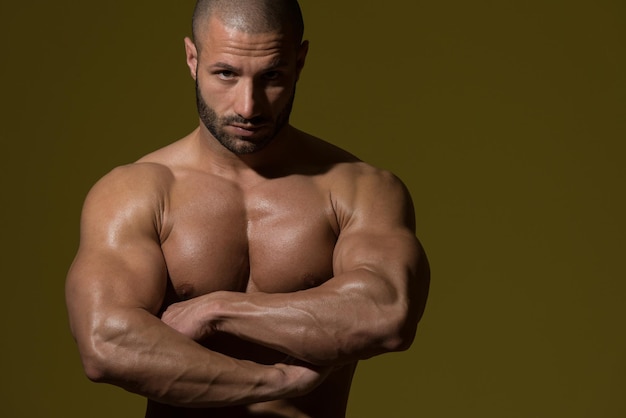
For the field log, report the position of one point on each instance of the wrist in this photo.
(299, 378)
(218, 310)
(283, 381)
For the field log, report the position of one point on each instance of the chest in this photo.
(279, 237)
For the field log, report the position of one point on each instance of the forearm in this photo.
(136, 351)
(370, 307)
(351, 317)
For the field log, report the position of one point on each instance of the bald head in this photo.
(251, 16)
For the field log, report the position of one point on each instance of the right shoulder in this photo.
(136, 193)
(135, 181)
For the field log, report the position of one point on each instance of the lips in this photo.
(246, 127)
(245, 130)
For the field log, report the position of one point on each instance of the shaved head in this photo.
(251, 16)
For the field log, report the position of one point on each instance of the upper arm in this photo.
(119, 264)
(377, 235)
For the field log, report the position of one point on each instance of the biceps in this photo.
(389, 253)
(104, 279)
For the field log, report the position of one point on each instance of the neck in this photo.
(267, 162)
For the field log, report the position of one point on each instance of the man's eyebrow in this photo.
(277, 63)
(224, 66)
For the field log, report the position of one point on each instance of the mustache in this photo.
(236, 119)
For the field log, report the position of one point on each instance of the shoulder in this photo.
(153, 174)
(352, 178)
(136, 179)
(365, 175)
(354, 185)
(363, 193)
(343, 168)
(134, 194)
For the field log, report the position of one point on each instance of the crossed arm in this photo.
(114, 290)
(116, 286)
(371, 306)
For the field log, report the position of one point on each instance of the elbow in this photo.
(399, 338)
(400, 341)
(399, 331)
(95, 368)
(96, 357)
(405, 316)
(100, 353)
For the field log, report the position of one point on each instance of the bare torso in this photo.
(275, 235)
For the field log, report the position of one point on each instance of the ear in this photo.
(191, 53)
(302, 53)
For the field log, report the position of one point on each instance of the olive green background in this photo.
(506, 119)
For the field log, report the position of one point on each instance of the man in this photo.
(244, 269)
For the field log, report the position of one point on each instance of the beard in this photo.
(238, 144)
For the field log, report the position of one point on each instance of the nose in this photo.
(249, 99)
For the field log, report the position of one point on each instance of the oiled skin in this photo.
(278, 237)
(224, 285)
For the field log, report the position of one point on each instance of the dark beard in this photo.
(237, 144)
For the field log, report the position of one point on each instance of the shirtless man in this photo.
(245, 269)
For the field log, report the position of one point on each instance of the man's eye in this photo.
(272, 75)
(225, 74)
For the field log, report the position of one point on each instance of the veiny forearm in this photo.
(353, 316)
(136, 351)
(370, 307)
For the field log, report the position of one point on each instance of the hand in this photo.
(191, 317)
(301, 377)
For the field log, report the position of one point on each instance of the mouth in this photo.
(245, 129)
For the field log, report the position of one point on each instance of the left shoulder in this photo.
(368, 177)
(362, 193)
(359, 192)
(341, 168)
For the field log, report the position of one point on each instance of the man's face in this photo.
(245, 85)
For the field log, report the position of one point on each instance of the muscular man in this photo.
(244, 269)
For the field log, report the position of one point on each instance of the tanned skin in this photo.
(218, 283)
